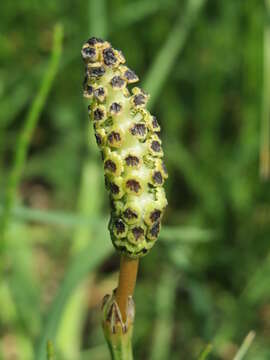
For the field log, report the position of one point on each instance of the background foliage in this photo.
(207, 280)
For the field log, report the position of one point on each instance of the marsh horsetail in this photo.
(129, 139)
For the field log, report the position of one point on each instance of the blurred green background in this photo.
(206, 65)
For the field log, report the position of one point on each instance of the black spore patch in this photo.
(130, 214)
(109, 56)
(155, 215)
(156, 146)
(132, 160)
(98, 114)
(120, 226)
(98, 139)
(155, 229)
(133, 185)
(137, 232)
(99, 92)
(114, 188)
(115, 108)
(157, 177)
(139, 99)
(94, 40)
(97, 71)
(131, 76)
(114, 137)
(89, 53)
(117, 81)
(89, 90)
(155, 122)
(138, 129)
(110, 165)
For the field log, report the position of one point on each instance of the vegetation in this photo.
(203, 291)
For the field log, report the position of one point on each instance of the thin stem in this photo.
(126, 284)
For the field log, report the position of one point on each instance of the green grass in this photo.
(30, 124)
(205, 64)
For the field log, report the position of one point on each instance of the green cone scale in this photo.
(129, 139)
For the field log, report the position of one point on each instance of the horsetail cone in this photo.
(129, 139)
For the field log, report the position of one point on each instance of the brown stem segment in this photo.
(126, 284)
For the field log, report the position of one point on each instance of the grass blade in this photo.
(186, 234)
(99, 223)
(50, 351)
(89, 204)
(164, 311)
(136, 11)
(57, 218)
(245, 346)
(166, 58)
(168, 233)
(97, 18)
(85, 262)
(27, 132)
(257, 288)
(205, 352)
(265, 126)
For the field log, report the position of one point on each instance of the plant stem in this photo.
(117, 333)
(119, 312)
(121, 349)
(126, 284)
